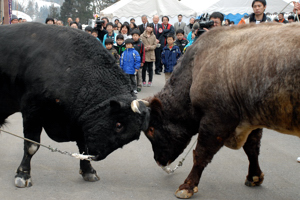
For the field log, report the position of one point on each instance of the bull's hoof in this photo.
(184, 194)
(22, 183)
(257, 181)
(91, 177)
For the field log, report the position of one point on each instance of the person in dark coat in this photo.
(143, 26)
(157, 30)
(78, 23)
(181, 42)
(170, 55)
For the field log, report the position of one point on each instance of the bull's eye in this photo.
(150, 132)
(119, 127)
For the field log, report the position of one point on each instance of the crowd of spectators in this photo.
(158, 45)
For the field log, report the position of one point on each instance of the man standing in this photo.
(157, 30)
(106, 20)
(143, 26)
(258, 15)
(188, 28)
(180, 24)
(69, 21)
(78, 23)
(217, 17)
(281, 18)
(167, 29)
(14, 19)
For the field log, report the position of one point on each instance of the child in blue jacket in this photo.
(170, 55)
(130, 62)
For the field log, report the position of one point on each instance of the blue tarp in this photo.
(236, 18)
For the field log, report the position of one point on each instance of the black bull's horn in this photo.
(135, 105)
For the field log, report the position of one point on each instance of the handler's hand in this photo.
(296, 6)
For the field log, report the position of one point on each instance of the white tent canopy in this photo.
(200, 5)
(22, 15)
(126, 9)
(240, 7)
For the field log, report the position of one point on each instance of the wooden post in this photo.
(6, 12)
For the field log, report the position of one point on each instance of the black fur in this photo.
(64, 81)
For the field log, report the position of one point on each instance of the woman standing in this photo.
(125, 31)
(149, 41)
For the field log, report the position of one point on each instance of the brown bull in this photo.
(230, 84)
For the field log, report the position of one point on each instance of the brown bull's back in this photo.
(251, 73)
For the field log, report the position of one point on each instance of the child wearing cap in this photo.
(139, 47)
(109, 46)
(120, 46)
(130, 62)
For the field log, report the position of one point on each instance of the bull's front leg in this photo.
(255, 176)
(32, 131)
(86, 170)
(207, 146)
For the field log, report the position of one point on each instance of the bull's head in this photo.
(167, 138)
(114, 125)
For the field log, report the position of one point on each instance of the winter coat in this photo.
(113, 37)
(166, 31)
(169, 57)
(251, 19)
(150, 55)
(120, 48)
(130, 61)
(187, 29)
(140, 47)
(115, 54)
(181, 44)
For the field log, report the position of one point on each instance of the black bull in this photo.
(231, 83)
(64, 81)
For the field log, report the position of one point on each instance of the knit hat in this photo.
(109, 41)
(14, 17)
(135, 31)
(49, 19)
(129, 41)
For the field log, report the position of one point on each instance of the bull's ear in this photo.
(116, 105)
(156, 106)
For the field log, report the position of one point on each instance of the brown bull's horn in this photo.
(145, 102)
(135, 106)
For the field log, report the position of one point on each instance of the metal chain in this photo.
(75, 155)
(171, 171)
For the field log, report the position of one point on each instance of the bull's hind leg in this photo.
(255, 176)
(86, 170)
(32, 130)
(210, 140)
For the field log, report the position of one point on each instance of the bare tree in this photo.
(99, 5)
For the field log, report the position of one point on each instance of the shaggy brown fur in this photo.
(231, 83)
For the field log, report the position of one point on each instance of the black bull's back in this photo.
(64, 81)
